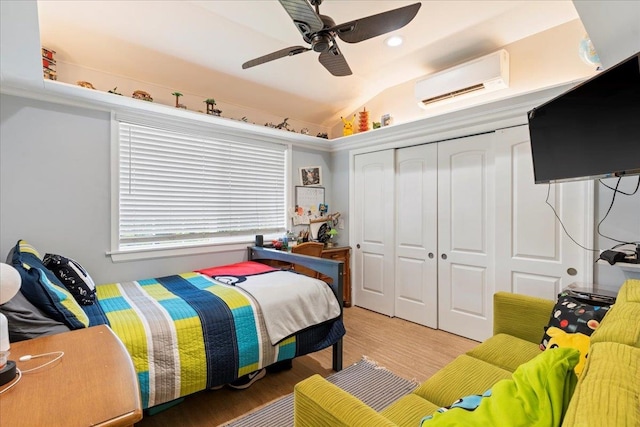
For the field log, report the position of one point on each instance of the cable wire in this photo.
(620, 191)
(59, 356)
(16, 380)
(562, 224)
(613, 199)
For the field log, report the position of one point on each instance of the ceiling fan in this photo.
(320, 32)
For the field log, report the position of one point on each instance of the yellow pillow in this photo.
(579, 341)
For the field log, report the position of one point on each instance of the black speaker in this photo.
(259, 240)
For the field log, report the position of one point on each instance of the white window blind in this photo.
(176, 188)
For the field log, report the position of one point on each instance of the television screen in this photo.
(590, 131)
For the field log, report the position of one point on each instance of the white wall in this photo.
(55, 189)
(20, 61)
(304, 157)
(340, 193)
(622, 223)
(613, 26)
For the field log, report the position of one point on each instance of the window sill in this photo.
(138, 254)
(169, 252)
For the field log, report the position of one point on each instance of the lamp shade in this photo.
(9, 282)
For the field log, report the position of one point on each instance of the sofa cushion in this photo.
(510, 318)
(505, 351)
(536, 396)
(319, 403)
(607, 393)
(621, 325)
(630, 291)
(573, 316)
(464, 376)
(408, 410)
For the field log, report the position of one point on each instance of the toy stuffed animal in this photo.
(347, 128)
(560, 338)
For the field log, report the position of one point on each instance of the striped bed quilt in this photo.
(189, 332)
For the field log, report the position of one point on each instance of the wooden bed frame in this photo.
(327, 267)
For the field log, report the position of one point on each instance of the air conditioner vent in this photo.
(481, 75)
(455, 93)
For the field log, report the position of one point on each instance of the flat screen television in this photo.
(592, 130)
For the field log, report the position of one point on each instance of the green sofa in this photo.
(607, 392)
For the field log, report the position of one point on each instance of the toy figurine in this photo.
(211, 103)
(363, 122)
(85, 84)
(178, 104)
(140, 94)
(347, 128)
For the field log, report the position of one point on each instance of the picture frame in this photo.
(310, 175)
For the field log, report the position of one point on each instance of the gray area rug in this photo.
(374, 385)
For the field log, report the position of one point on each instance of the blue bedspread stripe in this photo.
(217, 323)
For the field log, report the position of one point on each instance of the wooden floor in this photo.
(407, 349)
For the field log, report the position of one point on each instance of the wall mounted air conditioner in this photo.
(481, 75)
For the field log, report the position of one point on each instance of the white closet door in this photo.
(373, 275)
(416, 279)
(466, 235)
(534, 255)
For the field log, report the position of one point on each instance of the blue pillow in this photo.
(41, 287)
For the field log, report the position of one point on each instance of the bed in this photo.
(201, 329)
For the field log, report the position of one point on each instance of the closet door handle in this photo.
(430, 255)
(443, 256)
(358, 246)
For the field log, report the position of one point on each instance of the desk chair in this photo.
(311, 249)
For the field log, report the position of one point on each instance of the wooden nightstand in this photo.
(342, 253)
(94, 384)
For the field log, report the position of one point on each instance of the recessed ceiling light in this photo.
(394, 41)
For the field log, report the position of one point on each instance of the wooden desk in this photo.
(94, 384)
(342, 253)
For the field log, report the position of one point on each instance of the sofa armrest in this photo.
(521, 316)
(319, 403)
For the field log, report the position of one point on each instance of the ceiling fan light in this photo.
(394, 41)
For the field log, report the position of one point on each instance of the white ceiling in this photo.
(199, 46)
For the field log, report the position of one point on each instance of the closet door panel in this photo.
(466, 236)
(416, 287)
(467, 189)
(373, 273)
(536, 257)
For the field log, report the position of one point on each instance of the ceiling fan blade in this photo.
(304, 17)
(289, 51)
(335, 62)
(375, 25)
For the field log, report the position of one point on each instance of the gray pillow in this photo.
(27, 321)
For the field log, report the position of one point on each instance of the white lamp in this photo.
(9, 286)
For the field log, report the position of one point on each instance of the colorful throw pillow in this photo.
(573, 316)
(580, 342)
(73, 277)
(43, 289)
(537, 395)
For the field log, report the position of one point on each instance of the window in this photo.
(179, 188)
